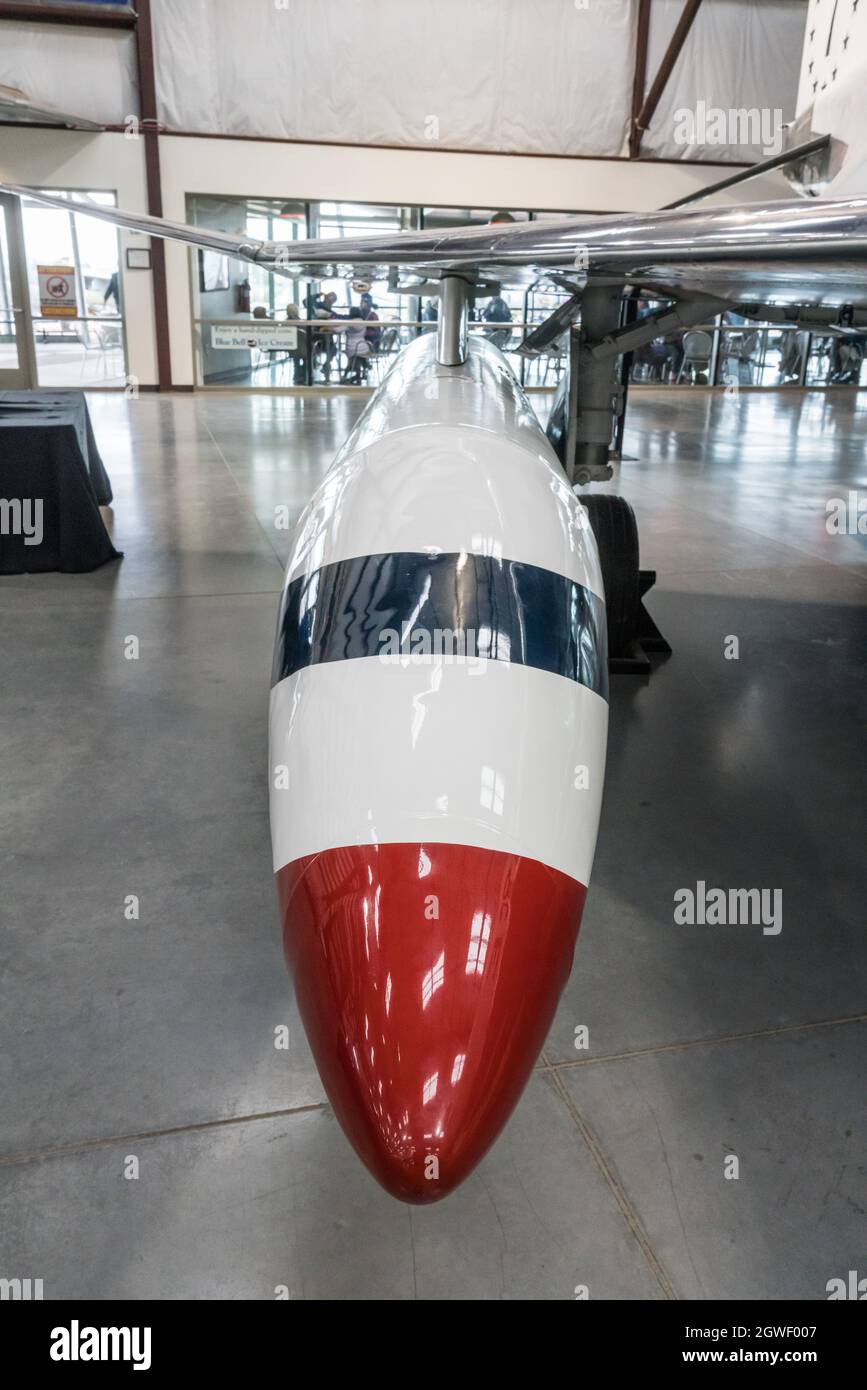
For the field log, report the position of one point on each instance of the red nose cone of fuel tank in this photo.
(427, 977)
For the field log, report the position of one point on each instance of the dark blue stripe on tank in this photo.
(505, 610)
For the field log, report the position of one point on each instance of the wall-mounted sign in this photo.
(138, 258)
(270, 337)
(57, 298)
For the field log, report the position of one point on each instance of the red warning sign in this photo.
(57, 297)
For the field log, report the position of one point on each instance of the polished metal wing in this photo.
(800, 251)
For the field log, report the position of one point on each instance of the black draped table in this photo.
(52, 484)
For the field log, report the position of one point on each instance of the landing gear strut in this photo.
(587, 409)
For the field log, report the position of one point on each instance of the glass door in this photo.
(75, 293)
(16, 344)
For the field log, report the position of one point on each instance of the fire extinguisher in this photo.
(243, 296)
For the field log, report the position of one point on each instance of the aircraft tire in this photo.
(616, 531)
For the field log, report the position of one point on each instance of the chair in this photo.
(555, 361)
(389, 343)
(275, 361)
(105, 339)
(697, 349)
(500, 337)
(743, 349)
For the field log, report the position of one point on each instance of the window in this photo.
(83, 345)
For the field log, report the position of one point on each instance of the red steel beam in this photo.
(95, 16)
(640, 78)
(150, 135)
(672, 53)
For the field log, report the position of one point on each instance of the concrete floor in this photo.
(155, 1038)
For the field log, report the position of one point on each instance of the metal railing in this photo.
(393, 334)
(757, 355)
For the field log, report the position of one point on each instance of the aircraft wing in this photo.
(799, 251)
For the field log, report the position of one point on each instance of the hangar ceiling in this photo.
(499, 75)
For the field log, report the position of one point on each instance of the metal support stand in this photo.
(453, 321)
(636, 660)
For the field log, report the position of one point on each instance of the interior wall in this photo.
(429, 178)
(106, 162)
(72, 159)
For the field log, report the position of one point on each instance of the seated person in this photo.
(324, 341)
(357, 349)
(651, 361)
(498, 311)
(298, 354)
(791, 357)
(846, 356)
(368, 312)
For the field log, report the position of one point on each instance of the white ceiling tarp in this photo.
(526, 76)
(545, 78)
(740, 55)
(551, 77)
(88, 72)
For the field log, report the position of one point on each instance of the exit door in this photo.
(17, 354)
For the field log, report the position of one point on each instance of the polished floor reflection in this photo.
(154, 1034)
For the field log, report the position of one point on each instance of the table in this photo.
(52, 484)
